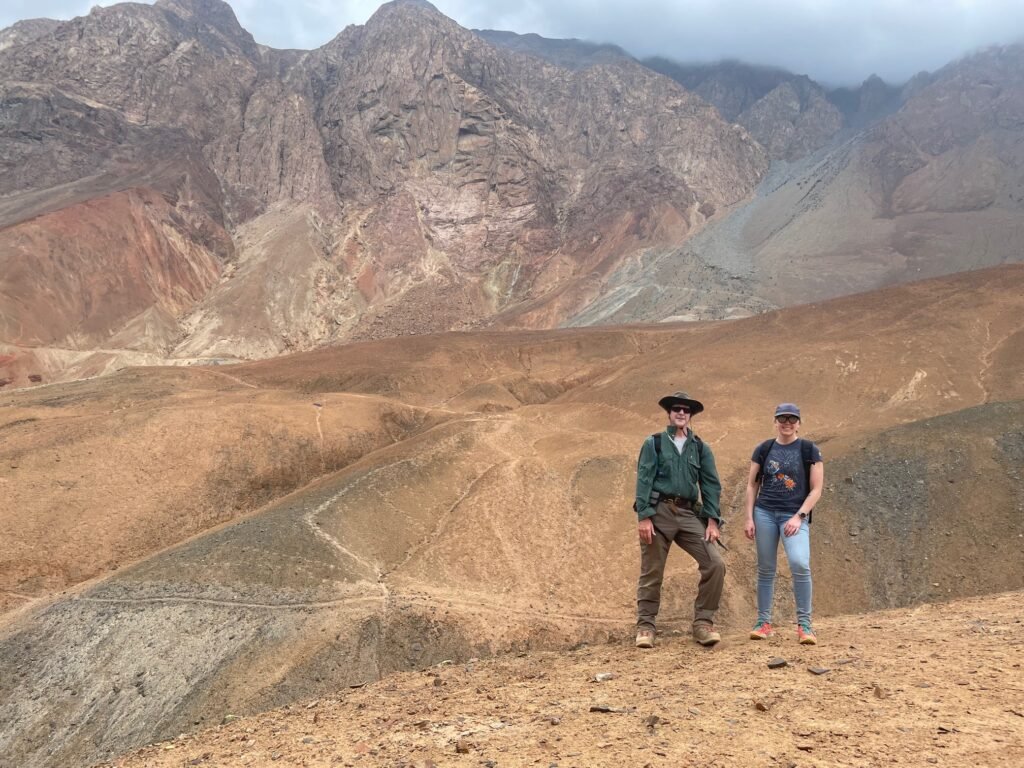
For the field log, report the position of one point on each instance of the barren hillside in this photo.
(470, 495)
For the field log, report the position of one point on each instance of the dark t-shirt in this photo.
(784, 485)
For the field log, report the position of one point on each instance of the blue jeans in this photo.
(767, 532)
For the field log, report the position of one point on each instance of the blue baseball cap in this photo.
(787, 409)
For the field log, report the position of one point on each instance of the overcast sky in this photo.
(834, 41)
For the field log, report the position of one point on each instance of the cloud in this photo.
(15, 10)
(833, 41)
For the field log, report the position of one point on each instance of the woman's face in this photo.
(787, 426)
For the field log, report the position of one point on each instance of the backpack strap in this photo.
(656, 437)
(762, 455)
(807, 456)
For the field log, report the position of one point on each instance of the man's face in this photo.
(679, 416)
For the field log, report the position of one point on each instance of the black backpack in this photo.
(806, 454)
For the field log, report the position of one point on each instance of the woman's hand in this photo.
(792, 525)
(748, 529)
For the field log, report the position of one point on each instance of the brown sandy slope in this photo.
(96, 476)
(494, 517)
(188, 447)
(934, 685)
(100, 473)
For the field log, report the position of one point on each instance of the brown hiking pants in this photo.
(682, 526)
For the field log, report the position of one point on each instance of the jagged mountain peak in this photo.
(26, 31)
(214, 14)
(733, 86)
(400, 26)
(197, 7)
(415, 11)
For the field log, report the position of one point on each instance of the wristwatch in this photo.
(803, 515)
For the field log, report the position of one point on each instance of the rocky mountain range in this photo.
(406, 176)
(173, 191)
(931, 189)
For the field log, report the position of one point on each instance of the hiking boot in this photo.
(761, 631)
(805, 634)
(645, 638)
(705, 634)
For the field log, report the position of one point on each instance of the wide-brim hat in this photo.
(681, 398)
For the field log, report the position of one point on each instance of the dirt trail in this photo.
(932, 685)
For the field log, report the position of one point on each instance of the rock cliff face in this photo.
(26, 31)
(793, 119)
(921, 181)
(790, 115)
(407, 176)
(874, 99)
(934, 188)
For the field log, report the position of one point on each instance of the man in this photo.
(671, 477)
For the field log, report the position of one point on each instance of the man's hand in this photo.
(792, 525)
(748, 529)
(711, 533)
(646, 530)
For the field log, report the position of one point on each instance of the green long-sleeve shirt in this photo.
(677, 474)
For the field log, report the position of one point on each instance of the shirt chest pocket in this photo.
(692, 463)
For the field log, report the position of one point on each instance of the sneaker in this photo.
(761, 631)
(805, 634)
(645, 638)
(705, 634)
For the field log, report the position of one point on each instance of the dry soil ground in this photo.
(939, 684)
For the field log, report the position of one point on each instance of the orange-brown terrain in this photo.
(186, 543)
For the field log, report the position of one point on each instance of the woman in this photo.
(785, 482)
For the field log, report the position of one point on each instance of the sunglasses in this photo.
(787, 419)
(681, 409)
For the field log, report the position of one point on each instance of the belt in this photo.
(678, 501)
